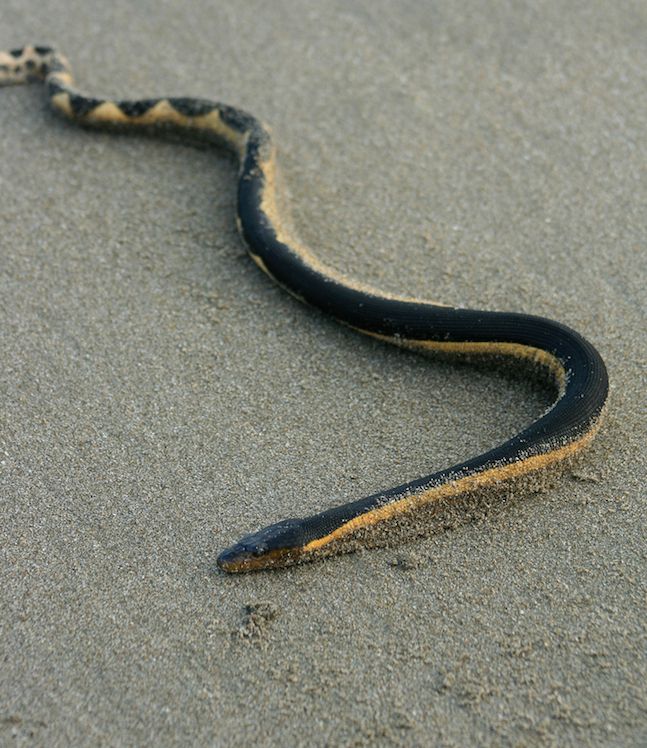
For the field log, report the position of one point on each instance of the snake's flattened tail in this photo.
(33, 63)
(224, 124)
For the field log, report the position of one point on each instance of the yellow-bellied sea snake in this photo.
(573, 364)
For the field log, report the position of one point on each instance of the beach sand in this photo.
(161, 398)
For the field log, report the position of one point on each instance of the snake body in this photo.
(570, 361)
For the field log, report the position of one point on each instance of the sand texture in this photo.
(161, 397)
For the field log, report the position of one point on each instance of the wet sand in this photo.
(160, 397)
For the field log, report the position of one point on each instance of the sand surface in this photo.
(160, 397)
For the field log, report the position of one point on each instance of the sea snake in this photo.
(571, 362)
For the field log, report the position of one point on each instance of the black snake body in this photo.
(573, 363)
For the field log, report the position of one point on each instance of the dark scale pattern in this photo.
(136, 108)
(192, 107)
(56, 66)
(237, 119)
(82, 105)
(54, 87)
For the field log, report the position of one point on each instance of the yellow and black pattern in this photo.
(570, 361)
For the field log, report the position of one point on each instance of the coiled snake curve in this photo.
(572, 363)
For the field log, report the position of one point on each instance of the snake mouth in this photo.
(239, 558)
(234, 559)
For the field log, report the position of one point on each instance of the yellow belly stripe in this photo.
(455, 488)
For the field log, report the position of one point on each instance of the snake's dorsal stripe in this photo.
(572, 363)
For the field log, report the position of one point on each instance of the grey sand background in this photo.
(160, 397)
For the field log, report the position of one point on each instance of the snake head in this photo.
(277, 544)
